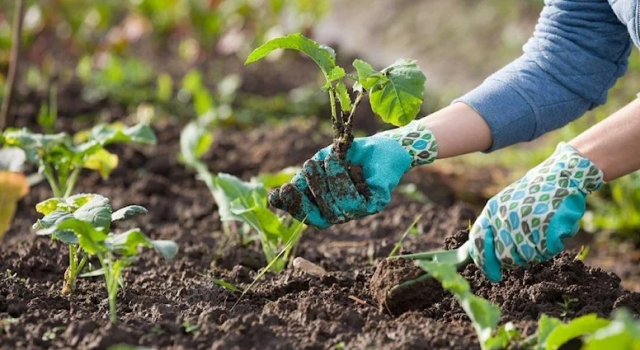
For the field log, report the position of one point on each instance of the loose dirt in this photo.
(177, 305)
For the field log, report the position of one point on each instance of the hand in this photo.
(526, 222)
(323, 193)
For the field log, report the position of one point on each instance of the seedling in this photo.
(61, 158)
(395, 93)
(84, 221)
(243, 201)
(398, 246)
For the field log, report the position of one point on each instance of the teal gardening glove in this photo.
(526, 222)
(322, 193)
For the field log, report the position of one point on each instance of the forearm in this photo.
(613, 144)
(458, 130)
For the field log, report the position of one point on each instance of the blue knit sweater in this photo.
(578, 50)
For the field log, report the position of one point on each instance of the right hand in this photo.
(323, 193)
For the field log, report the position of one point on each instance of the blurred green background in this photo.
(182, 59)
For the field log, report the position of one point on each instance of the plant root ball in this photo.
(391, 272)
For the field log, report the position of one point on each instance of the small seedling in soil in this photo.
(61, 158)
(86, 225)
(395, 93)
(190, 328)
(242, 201)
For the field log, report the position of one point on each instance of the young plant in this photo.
(243, 201)
(85, 220)
(61, 158)
(395, 92)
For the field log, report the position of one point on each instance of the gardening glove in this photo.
(322, 193)
(526, 222)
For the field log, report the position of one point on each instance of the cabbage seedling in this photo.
(242, 201)
(88, 226)
(61, 158)
(395, 92)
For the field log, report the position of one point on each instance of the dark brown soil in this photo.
(177, 305)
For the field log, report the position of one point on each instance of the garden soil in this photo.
(177, 305)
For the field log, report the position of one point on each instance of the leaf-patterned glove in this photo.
(323, 193)
(526, 222)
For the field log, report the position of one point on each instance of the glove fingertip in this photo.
(274, 199)
(492, 266)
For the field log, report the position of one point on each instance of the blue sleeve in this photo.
(578, 50)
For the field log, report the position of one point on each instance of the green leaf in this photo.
(50, 220)
(336, 73)
(343, 97)
(226, 285)
(49, 205)
(33, 144)
(89, 238)
(228, 188)
(578, 327)
(367, 76)
(127, 244)
(102, 161)
(94, 273)
(80, 199)
(398, 100)
(273, 180)
(322, 55)
(483, 314)
(111, 133)
(128, 212)
(97, 211)
(546, 325)
(195, 141)
(622, 333)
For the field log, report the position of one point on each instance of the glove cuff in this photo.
(417, 140)
(569, 163)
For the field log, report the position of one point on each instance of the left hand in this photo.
(526, 222)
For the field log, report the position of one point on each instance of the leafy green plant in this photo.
(243, 201)
(85, 221)
(483, 314)
(61, 158)
(395, 93)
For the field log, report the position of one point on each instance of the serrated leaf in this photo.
(102, 161)
(343, 97)
(322, 55)
(128, 212)
(398, 100)
(367, 76)
(578, 327)
(97, 211)
(336, 73)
